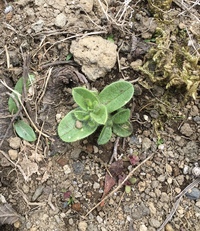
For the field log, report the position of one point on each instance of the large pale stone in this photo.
(96, 55)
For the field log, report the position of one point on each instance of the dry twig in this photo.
(121, 184)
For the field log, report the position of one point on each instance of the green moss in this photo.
(170, 64)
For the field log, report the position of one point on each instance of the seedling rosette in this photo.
(94, 110)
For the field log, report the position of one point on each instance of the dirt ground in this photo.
(52, 185)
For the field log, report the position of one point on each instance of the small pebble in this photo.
(143, 228)
(96, 185)
(78, 167)
(14, 142)
(168, 227)
(185, 169)
(60, 20)
(154, 222)
(66, 169)
(194, 194)
(82, 226)
(13, 154)
(197, 119)
(146, 144)
(186, 129)
(37, 193)
(99, 219)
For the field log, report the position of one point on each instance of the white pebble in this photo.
(96, 185)
(66, 169)
(99, 219)
(13, 154)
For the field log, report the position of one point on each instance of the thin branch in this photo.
(121, 184)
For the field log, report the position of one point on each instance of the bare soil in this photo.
(52, 185)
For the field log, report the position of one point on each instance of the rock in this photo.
(82, 226)
(66, 169)
(197, 119)
(198, 204)
(136, 64)
(152, 208)
(186, 130)
(96, 185)
(13, 154)
(141, 186)
(60, 20)
(194, 111)
(168, 227)
(99, 219)
(137, 90)
(154, 222)
(154, 113)
(139, 211)
(75, 153)
(14, 142)
(96, 55)
(78, 167)
(38, 26)
(143, 228)
(168, 169)
(194, 194)
(191, 150)
(37, 192)
(71, 221)
(87, 5)
(146, 144)
(58, 4)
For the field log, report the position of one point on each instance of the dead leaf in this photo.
(109, 183)
(115, 170)
(8, 214)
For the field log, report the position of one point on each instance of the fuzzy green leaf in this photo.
(84, 98)
(12, 107)
(105, 135)
(116, 95)
(123, 130)
(127, 189)
(100, 114)
(24, 131)
(81, 115)
(121, 116)
(68, 130)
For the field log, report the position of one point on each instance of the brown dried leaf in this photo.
(8, 214)
(109, 183)
(116, 168)
(115, 171)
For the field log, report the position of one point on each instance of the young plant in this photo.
(98, 109)
(22, 128)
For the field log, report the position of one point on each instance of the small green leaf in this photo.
(116, 95)
(81, 115)
(69, 56)
(127, 189)
(105, 135)
(12, 107)
(123, 130)
(24, 131)
(110, 38)
(121, 116)
(133, 180)
(84, 98)
(99, 114)
(68, 131)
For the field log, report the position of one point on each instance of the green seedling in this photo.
(22, 128)
(98, 109)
